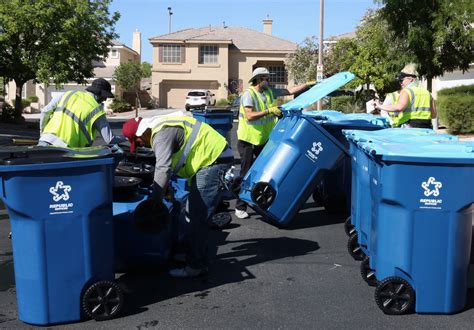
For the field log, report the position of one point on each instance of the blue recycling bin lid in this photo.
(318, 91)
(395, 135)
(437, 152)
(352, 120)
(20, 158)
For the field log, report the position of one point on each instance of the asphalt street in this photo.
(260, 277)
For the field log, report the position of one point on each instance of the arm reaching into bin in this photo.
(192, 150)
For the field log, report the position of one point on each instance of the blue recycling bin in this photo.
(60, 206)
(220, 120)
(137, 247)
(422, 199)
(335, 187)
(361, 198)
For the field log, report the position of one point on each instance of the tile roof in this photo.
(242, 38)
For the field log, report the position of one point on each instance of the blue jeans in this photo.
(204, 195)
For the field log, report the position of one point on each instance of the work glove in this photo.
(311, 83)
(275, 111)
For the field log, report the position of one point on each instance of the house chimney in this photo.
(267, 25)
(137, 42)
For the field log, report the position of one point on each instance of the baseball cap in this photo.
(129, 130)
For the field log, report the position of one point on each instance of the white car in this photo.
(199, 98)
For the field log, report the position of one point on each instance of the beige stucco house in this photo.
(118, 53)
(220, 59)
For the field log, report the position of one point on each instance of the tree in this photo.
(375, 56)
(53, 41)
(146, 69)
(437, 32)
(302, 63)
(128, 76)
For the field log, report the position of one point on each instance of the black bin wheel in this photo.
(349, 227)
(220, 220)
(317, 198)
(395, 296)
(103, 300)
(367, 273)
(263, 194)
(354, 248)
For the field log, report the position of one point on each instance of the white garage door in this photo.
(173, 92)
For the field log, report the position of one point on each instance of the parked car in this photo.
(199, 98)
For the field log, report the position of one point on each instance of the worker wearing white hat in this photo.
(257, 116)
(415, 106)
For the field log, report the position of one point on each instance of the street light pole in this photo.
(169, 19)
(320, 68)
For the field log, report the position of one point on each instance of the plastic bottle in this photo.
(229, 175)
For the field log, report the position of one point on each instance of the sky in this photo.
(293, 20)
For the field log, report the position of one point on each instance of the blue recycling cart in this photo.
(299, 153)
(422, 197)
(60, 206)
(220, 120)
(358, 225)
(137, 247)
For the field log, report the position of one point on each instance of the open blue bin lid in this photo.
(396, 135)
(317, 92)
(439, 152)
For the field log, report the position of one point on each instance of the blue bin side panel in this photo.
(62, 245)
(423, 228)
(221, 122)
(292, 162)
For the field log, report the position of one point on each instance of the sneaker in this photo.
(187, 272)
(241, 214)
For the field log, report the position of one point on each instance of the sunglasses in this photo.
(265, 78)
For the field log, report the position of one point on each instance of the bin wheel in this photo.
(349, 227)
(263, 194)
(367, 273)
(220, 220)
(395, 296)
(103, 300)
(354, 248)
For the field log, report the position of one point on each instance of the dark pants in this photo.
(248, 152)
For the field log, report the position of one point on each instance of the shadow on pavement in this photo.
(152, 286)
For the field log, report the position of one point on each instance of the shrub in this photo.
(25, 103)
(339, 102)
(120, 106)
(222, 102)
(231, 98)
(456, 109)
(9, 115)
(32, 98)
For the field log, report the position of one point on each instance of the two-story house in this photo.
(220, 59)
(118, 53)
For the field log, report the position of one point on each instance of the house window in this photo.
(278, 76)
(171, 53)
(208, 54)
(114, 53)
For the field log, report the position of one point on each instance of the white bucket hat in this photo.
(259, 72)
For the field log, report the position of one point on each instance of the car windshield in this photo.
(196, 94)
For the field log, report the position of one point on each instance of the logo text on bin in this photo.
(431, 187)
(314, 151)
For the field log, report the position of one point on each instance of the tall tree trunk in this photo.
(429, 83)
(138, 105)
(18, 106)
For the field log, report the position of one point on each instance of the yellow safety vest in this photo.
(202, 144)
(394, 96)
(419, 107)
(257, 131)
(73, 120)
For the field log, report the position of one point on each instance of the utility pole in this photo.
(169, 19)
(320, 67)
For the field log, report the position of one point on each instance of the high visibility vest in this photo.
(202, 144)
(394, 115)
(73, 119)
(419, 105)
(257, 131)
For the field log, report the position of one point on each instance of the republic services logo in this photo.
(314, 151)
(60, 191)
(431, 187)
